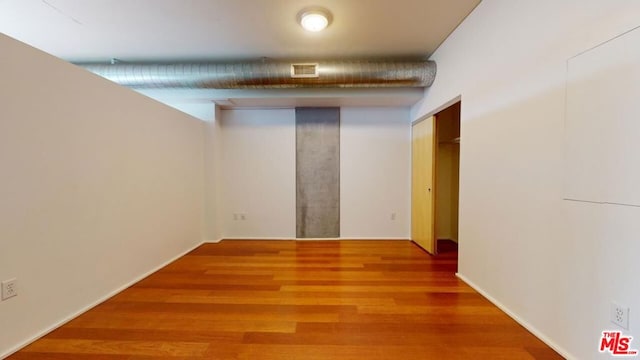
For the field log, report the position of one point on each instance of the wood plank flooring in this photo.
(296, 300)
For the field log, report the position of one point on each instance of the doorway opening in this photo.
(447, 178)
(435, 181)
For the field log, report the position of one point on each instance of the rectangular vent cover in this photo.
(304, 71)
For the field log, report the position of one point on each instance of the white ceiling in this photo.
(185, 30)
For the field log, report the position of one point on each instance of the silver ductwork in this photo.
(269, 74)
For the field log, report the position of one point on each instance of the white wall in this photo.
(375, 173)
(550, 262)
(258, 171)
(99, 186)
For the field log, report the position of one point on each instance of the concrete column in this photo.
(317, 172)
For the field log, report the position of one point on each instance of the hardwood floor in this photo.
(296, 300)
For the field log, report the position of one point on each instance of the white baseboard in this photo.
(310, 239)
(560, 350)
(74, 315)
(377, 238)
(255, 238)
(212, 241)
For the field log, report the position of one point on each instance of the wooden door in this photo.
(422, 184)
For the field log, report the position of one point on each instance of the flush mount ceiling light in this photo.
(314, 19)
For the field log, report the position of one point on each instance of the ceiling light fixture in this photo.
(314, 19)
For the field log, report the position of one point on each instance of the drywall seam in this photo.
(532, 329)
(74, 315)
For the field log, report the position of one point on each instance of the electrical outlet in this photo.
(393, 216)
(243, 216)
(620, 315)
(9, 288)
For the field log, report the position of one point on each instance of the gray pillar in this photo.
(317, 172)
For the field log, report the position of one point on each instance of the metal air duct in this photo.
(268, 74)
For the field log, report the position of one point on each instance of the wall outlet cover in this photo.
(620, 315)
(9, 288)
